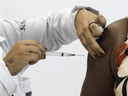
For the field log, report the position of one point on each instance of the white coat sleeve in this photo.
(7, 84)
(53, 30)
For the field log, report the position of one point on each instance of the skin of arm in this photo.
(101, 73)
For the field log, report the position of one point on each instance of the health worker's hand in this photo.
(126, 17)
(24, 52)
(82, 24)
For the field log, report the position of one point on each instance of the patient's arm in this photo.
(101, 73)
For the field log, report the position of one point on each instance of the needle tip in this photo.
(79, 55)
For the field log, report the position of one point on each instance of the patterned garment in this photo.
(122, 74)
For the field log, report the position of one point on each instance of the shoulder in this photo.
(113, 36)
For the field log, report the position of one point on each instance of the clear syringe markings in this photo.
(61, 54)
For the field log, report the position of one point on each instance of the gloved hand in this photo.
(82, 24)
(24, 52)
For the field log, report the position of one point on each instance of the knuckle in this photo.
(18, 43)
(19, 47)
(100, 16)
(92, 26)
(85, 27)
(38, 42)
(38, 49)
(37, 56)
(101, 20)
(35, 40)
(80, 34)
(32, 40)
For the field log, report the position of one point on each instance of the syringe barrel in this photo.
(56, 54)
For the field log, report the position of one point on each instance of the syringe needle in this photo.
(78, 55)
(75, 55)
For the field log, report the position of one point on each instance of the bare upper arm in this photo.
(101, 73)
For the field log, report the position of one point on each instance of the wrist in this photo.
(9, 68)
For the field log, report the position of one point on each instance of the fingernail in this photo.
(97, 57)
(102, 55)
(44, 56)
(46, 49)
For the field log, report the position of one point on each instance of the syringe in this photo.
(60, 54)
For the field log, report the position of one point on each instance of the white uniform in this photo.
(53, 31)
